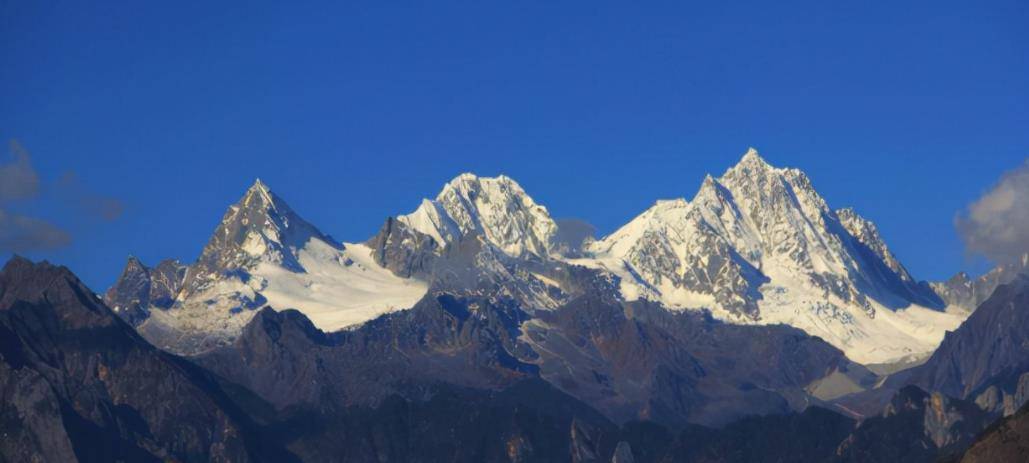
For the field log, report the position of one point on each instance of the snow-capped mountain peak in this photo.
(259, 189)
(260, 227)
(260, 207)
(760, 245)
(496, 209)
(262, 253)
(752, 158)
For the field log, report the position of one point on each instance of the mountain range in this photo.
(757, 245)
(751, 322)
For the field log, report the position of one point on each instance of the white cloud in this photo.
(19, 233)
(18, 179)
(997, 224)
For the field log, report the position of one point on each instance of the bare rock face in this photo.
(964, 291)
(140, 287)
(166, 280)
(440, 382)
(991, 347)
(283, 358)
(627, 361)
(916, 426)
(31, 421)
(85, 387)
(637, 361)
(623, 453)
(585, 443)
(404, 251)
(1007, 440)
(130, 295)
(1005, 395)
(985, 360)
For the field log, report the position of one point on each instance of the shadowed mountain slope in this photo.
(80, 384)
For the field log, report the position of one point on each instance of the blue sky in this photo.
(353, 111)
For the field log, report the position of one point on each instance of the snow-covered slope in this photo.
(760, 245)
(336, 289)
(497, 208)
(263, 253)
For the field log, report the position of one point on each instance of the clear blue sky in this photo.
(354, 112)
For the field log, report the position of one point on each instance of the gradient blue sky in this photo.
(354, 111)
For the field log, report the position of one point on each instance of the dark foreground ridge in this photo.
(456, 378)
(1007, 440)
(80, 385)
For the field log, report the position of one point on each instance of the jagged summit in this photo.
(260, 196)
(259, 185)
(133, 262)
(753, 158)
(260, 227)
(964, 291)
(139, 288)
(496, 209)
(21, 268)
(760, 245)
(466, 180)
(260, 200)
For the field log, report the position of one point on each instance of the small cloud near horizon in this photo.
(20, 234)
(18, 179)
(996, 225)
(91, 204)
(20, 185)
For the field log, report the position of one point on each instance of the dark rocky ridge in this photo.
(139, 288)
(80, 385)
(467, 342)
(988, 348)
(405, 252)
(915, 426)
(628, 360)
(639, 361)
(965, 291)
(1006, 440)
(415, 392)
(985, 360)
